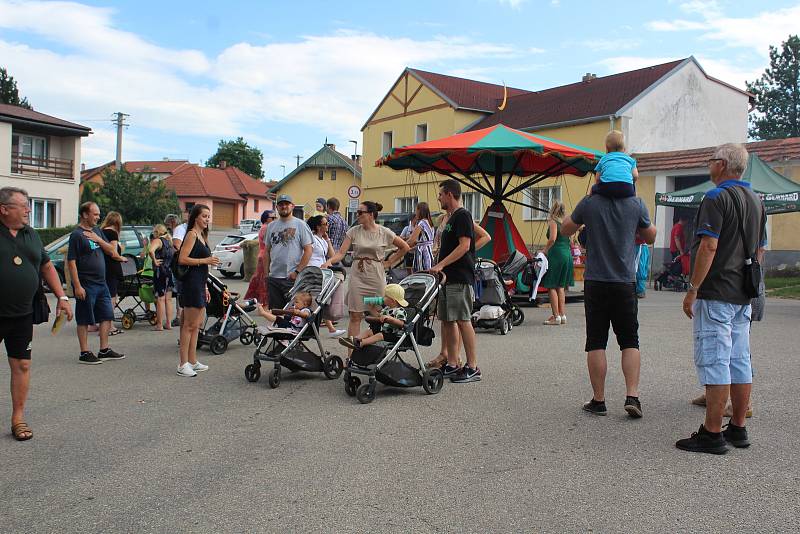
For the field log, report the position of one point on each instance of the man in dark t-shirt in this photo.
(731, 231)
(457, 262)
(87, 269)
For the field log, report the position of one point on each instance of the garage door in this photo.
(223, 215)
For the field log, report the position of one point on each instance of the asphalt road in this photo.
(129, 446)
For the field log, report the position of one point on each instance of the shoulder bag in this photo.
(752, 268)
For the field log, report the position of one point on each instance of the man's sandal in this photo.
(21, 432)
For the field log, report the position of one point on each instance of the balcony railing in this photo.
(42, 167)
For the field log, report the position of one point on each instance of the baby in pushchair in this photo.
(298, 313)
(391, 319)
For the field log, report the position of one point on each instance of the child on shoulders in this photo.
(392, 319)
(616, 171)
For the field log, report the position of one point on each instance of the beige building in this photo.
(41, 154)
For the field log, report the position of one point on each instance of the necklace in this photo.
(17, 259)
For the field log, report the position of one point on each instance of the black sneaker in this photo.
(89, 358)
(175, 322)
(595, 407)
(703, 441)
(109, 354)
(449, 371)
(633, 407)
(466, 374)
(735, 435)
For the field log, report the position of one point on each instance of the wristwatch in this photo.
(691, 287)
(63, 297)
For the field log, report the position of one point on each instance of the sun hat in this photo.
(396, 292)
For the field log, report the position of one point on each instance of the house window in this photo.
(44, 213)
(255, 205)
(388, 142)
(422, 133)
(405, 204)
(321, 174)
(473, 203)
(32, 148)
(541, 197)
(333, 174)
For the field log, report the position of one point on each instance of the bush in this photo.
(48, 235)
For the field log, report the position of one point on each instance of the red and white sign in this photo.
(354, 191)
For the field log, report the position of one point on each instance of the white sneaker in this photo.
(186, 370)
(337, 333)
(563, 319)
(198, 367)
(556, 319)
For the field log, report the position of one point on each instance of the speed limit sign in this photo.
(354, 191)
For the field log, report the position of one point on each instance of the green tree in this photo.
(91, 193)
(138, 198)
(777, 110)
(240, 155)
(9, 94)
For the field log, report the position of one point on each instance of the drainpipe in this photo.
(611, 121)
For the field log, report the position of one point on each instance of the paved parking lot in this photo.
(129, 446)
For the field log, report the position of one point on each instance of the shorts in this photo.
(455, 302)
(614, 189)
(17, 333)
(96, 307)
(611, 304)
(113, 286)
(278, 292)
(722, 343)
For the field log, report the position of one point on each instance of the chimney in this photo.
(588, 77)
(223, 164)
(83, 167)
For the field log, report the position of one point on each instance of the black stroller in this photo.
(286, 347)
(493, 308)
(232, 319)
(137, 286)
(673, 276)
(382, 361)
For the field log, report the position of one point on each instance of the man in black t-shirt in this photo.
(731, 229)
(457, 262)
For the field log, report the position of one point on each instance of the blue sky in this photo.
(288, 75)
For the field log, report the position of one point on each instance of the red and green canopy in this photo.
(505, 236)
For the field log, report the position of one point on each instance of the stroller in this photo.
(493, 308)
(382, 362)
(232, 317)
(136, 285)
(286, 347)
(674, 275)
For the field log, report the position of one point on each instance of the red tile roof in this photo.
(244, 184)
(597, 97)
(464, 93)
(196, 181)
(771, 151)
(16, 112)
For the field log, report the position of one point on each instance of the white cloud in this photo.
(513, 4)
(727, 71)
(606, 45)
(677, 25)
(330, 82)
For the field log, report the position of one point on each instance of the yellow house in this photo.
(328, 173)
(671, 106)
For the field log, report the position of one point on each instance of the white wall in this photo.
(5, 150)
(687, 110)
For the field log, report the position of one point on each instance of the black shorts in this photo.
(614, 304)
(278, 292)
(17, 332)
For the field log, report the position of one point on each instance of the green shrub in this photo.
(48, 235)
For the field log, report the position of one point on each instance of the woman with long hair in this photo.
(421, 238)
(368, 274)
(559, 273)
(196, 255)
(161, 252)
(257, 289)
(321, 250)
(112, 228)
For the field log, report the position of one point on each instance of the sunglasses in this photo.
(361, 212)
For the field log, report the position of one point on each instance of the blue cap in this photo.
(284, 198)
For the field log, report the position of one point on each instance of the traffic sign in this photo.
(353, 205)
(354, 191)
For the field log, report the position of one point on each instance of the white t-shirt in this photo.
(319, 251)
(180, 232)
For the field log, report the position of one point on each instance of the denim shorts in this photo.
(96, 307)
(722, 343)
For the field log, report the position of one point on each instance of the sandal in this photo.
(114, 332)
(21, 432)
(553, 320)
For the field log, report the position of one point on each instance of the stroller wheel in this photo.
(505, 326)
(517, 316)
(257, 338)
(218, 345)
(246, 338)
(351, 385)
(275, 377)
(432, 381)
(128, 319)
(365, 393)
(152, 318)
(332, 367)
(252, 373)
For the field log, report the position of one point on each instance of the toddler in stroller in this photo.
(391, 319)
(674, 275)
(297, 314)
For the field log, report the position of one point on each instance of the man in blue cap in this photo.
(287, 249)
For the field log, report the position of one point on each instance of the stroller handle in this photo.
(440, 276)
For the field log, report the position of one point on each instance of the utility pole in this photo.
(120, 122)
(283, 167)
(298, 157)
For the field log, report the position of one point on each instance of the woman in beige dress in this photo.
(368, 274)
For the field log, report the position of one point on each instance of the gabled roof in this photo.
(244, 184)
(196, 181)
(17, 114)
(326, 157)
(772, 151)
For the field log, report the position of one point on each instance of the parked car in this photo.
(248, 226)
(230, 254)
(132, 238)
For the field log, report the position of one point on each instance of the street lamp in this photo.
(355, 149)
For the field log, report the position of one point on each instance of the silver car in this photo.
(230, 254)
